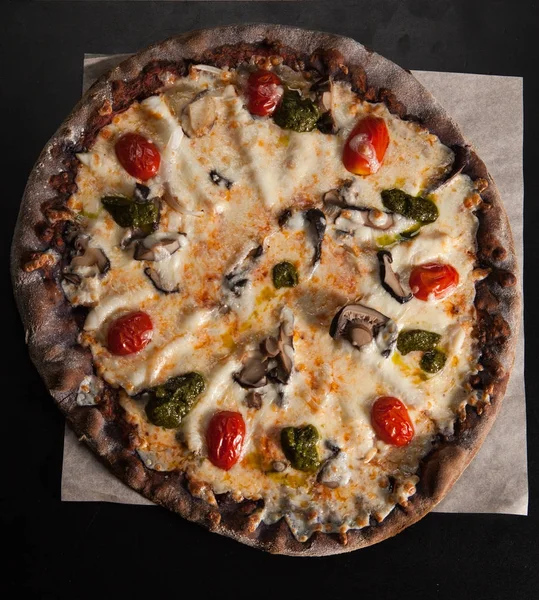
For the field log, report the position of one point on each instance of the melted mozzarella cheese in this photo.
(211, 327)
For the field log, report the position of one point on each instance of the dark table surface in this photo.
(93, 550)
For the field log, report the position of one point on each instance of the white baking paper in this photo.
(489, 111)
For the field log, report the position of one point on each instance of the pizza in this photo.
(270, 285)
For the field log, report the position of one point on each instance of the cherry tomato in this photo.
(138, 156)
(391, 422)
(264, 92)
(130, 333)
(224, 436)
(365, 147)
(434, 279)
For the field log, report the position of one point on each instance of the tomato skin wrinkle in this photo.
(138, 156)
(224, 437)
(433, 279)
(264, 92)
(391, 421)
(366, 146)
(130, 333)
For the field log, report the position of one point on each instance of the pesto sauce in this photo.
(300, 447)
(127, 212)
(285, 274)
(413, 207)
(296, 113)
(173, 400)
(433, 361)
(417, 339)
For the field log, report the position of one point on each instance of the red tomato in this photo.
(224, 436)
(264, 92)
(130, 333)
(138, 156)
(391, 422)
(365, 148)
(433, 278)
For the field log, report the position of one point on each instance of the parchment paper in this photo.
(489, 111)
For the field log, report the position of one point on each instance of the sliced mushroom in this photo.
(274, 359)
(284, 216)
(461, 160)
(72, 278)
(141, 193)
(285, 342)
(335, 471)
(338, 207)
(253, 400)
(220, 181)
(390, 279)
(238, 278)
(253, 373)
(199, 116)
(270, 347)
(316, 221)
(360, 324)
(91, 257)
(158, 246)
(163, 281)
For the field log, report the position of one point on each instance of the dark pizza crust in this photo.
(52, 325)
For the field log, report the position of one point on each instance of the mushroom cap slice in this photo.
(390, 279)
(359, 324)
(167, 285)
(158, 246)
(253, 373)
(92, 257)
(316, 220)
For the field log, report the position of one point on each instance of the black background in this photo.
(99, 550)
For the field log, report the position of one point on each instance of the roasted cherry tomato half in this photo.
(224, 437)
(130, 333)
(138, 156)
(433, 280)
(365, 147)
(391, 421)
(264, 91)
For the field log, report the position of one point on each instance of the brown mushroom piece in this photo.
(460, 162)
(253, 373)
(162, 281)
(316, 221)
(158, 246)
(238, 277)
(390, 280)
(335, 471)
(360, 324)
(274, 359)
(220, 181)
(90, 257)
(337, 208)
(285, 358)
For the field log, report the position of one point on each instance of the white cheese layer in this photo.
(224, 180)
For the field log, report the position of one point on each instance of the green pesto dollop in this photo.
(413, 207)
(128, 212)
(433, 361)
(417, 339)
(296, 113)
(172, 401)
(300, 447)
(285, 274)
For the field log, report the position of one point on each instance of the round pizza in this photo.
(270, 285)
